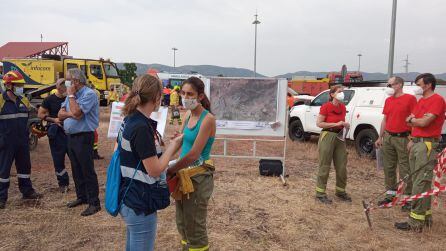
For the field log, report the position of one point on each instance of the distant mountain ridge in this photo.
(213, 70)
(206, 70)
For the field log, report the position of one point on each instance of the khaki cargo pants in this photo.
(422, 155)
(331, 149)
(191, 213)
(395, 154)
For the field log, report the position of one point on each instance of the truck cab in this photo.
(102, 74)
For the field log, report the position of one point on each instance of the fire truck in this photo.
(44, 71)
(314, 86)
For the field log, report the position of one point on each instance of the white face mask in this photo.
(18, 91)
(418, 90)
(340, 96)
(190, 104)
(390, 91)
(68, 83)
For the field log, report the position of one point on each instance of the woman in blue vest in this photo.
(138, 151)
(194, 163)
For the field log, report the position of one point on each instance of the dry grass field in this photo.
(247, 212)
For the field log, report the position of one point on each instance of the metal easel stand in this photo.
(254, 152)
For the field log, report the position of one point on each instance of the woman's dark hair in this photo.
(198, 85)
(428, 78)
(146, 88)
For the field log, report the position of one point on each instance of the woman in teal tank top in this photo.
(198, 136)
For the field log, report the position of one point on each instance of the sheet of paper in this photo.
(116, 119)
(343, 134)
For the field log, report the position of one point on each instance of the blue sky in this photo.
(314, 35)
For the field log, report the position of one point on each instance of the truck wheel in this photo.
(296, 131)
(365, 143)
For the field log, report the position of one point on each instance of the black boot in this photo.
(32, 196)
(91, 209)
(344, 197)
(324, 199)
(2, 204)
(76, 203)
(405, 226)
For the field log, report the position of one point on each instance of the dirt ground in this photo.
(247, 212)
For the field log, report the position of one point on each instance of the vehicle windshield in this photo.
(110, 70)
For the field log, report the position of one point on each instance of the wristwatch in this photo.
(71, 96)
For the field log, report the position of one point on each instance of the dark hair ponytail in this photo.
(198, 85)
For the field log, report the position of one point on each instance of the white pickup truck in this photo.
(364, 113)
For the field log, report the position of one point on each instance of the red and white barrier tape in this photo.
(439, 170)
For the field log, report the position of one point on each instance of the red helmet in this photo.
(12, 76)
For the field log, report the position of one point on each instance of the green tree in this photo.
(128, 74)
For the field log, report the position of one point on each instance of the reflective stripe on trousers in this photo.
(13, 116)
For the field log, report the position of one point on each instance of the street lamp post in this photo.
(392, 39)
(174, 50)
(359, 62)
(255, 23)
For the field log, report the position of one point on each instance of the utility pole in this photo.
(41, 37)
(174, 50)
(406, 65)
(392, 40)
(359, 62)
(255, 23)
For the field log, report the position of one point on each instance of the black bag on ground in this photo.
(270, 167)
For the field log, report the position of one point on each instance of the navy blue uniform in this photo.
(137, 143)
(14, 144)
(57, 139)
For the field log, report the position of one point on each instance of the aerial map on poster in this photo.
(244, 103)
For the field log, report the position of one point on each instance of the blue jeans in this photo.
(141, 229)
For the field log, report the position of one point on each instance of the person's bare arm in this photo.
(324, 125)
(75, 109)
(383, 126)
(206, 130)
(426, 120)
(42, 113)
(379, 141)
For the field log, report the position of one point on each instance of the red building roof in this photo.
(32, 49)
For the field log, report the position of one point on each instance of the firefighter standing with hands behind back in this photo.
(14, 138)
(393, 138)
(426, 120)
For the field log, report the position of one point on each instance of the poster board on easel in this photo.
(249, 107)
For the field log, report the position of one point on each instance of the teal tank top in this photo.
(190, 134)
